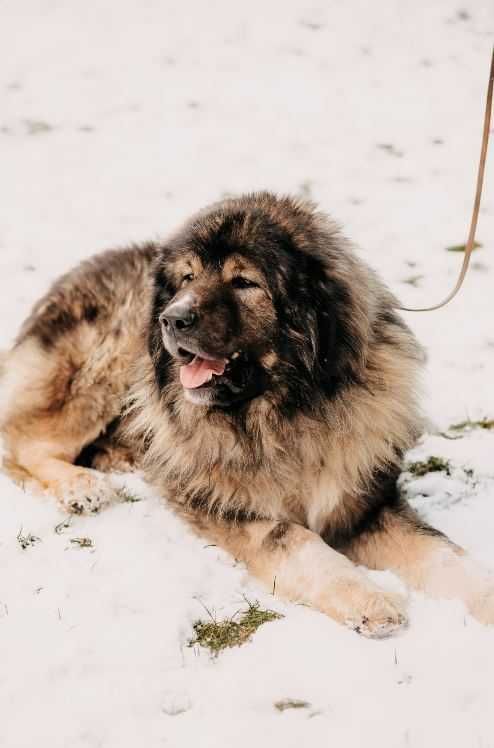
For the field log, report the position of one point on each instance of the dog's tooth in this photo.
(235, 355)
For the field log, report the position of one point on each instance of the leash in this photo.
(476, 205)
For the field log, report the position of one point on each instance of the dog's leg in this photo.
(426, 560)
(114, 459)
(298, 565)
(48, 465)
(51, 406)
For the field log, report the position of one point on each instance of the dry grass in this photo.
(25, 541)
(64, 525)
(127, 497)
(82, 542)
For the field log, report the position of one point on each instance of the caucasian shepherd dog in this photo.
(258, 373)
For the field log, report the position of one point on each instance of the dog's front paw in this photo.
(86, 492)
(366, 608)
(482, 606)
(382, 615)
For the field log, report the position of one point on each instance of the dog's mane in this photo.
(346, 390)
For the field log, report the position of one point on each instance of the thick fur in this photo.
(295, 473)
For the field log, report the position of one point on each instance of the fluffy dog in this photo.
(259, 374)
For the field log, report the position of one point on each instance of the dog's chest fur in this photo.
(295, 471)
(315, 470)
(233, 477)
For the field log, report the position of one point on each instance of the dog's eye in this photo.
(188, 278)
(240, 282)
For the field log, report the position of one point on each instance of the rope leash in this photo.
(476, 206)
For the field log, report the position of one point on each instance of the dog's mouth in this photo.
(200, 371)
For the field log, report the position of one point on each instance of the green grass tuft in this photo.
(431, 465)
(462, 247)
(413, 280)
(218, 635)
(484, 423)
(285, 704)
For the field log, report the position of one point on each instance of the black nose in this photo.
(178, 316)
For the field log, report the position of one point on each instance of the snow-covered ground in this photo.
(117, 119)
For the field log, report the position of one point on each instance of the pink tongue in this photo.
(200, 370)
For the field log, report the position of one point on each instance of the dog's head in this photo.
(258, 296)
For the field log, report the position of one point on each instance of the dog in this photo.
(258, 373)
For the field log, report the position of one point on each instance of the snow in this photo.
(117, 120)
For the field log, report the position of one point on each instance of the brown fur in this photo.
(269, 478)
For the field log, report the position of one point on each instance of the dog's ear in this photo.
(326, 321)
(161, 295)
(342, 331)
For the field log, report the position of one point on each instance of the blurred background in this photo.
(117, 120)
